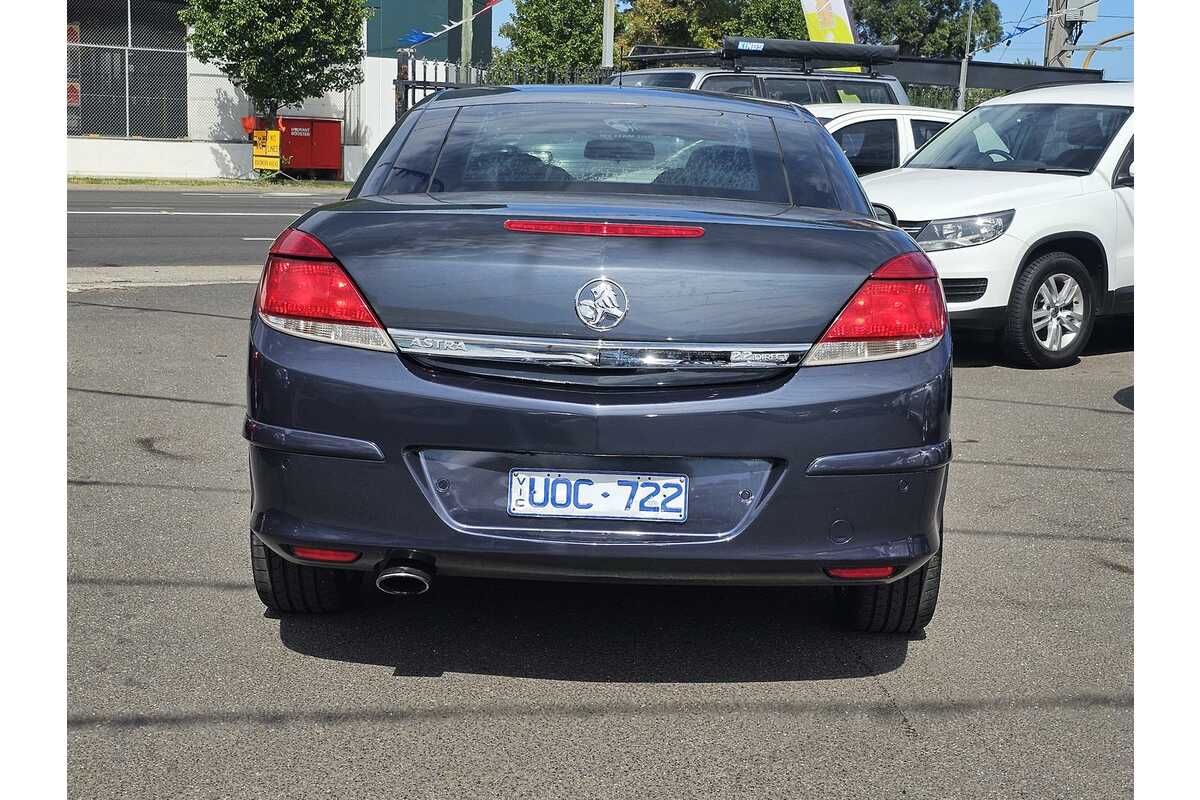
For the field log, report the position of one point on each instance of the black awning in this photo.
(986, 74)
(796, 49)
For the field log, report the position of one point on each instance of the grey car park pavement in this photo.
(180, 686)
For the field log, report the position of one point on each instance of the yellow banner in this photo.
(267, 162)
(266, 143)
(829, 21)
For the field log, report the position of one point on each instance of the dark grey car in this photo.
(599, 333)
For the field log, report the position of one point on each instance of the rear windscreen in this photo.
(577, 147)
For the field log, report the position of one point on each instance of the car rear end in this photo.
(595, 335)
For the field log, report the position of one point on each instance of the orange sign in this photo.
(72, 33)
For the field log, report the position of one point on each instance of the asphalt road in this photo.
(180, 686)
(130, 227)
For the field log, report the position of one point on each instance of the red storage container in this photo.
(312, 144)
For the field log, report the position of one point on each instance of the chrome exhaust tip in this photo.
(406, 579)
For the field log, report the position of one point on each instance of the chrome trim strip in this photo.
(597, 353)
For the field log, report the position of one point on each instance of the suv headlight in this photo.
(947, 234)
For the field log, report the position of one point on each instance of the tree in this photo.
(770, 19)
(280, 52)
(703, 23)
(552, 33)
(930, 28)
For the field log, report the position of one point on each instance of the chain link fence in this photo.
(126, 69)
(129, 75)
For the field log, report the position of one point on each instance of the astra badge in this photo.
(601, 304)
(429, 343)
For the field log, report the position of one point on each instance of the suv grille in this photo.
(964, 290)
(912, 228)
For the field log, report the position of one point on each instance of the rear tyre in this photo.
(1050, 316)
(297, 588)
(905, 606)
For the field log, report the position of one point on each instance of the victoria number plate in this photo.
(597, 495)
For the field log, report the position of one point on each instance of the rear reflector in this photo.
(603, 229)
(323, 554)
(861, 573)
(898, 311)
(306, 293)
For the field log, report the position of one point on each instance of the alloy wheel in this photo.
(1058, 310)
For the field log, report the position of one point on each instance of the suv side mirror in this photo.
(883, 213)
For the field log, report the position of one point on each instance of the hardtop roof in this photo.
(1094, 94)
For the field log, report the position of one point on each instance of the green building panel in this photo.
(394, 18)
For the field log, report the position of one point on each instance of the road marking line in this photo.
(198, 213)
(142, 208)
(84, 278)
(257, 239)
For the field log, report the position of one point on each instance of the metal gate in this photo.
(417, 78)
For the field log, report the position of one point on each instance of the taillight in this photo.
(306, 293)
(898, 311)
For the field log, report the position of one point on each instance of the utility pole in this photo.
(1057, 32)
(610, 10)
(962, 70)
(468, 9)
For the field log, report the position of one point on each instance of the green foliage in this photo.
(771, 19)
(567, 32)
(930, 28)
(703, 23)
(280, 52)
(946, 96)
(679, 23)
(552, 33)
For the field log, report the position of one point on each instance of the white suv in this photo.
(876, 137)
(1025, 205)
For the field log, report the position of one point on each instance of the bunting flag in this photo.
(416, 37)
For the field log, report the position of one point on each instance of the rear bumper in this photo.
(855, 466)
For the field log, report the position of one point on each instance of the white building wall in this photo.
(378, 99)
(218, 147)
(215, 105)
(157, 158)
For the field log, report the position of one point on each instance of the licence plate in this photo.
(597, 495)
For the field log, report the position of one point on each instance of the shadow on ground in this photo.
(1110, 335)
(599, 633)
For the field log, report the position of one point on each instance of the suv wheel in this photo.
(298, 588)
(905, 606)
(1051, 313)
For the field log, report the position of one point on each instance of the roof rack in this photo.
(739, 51)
